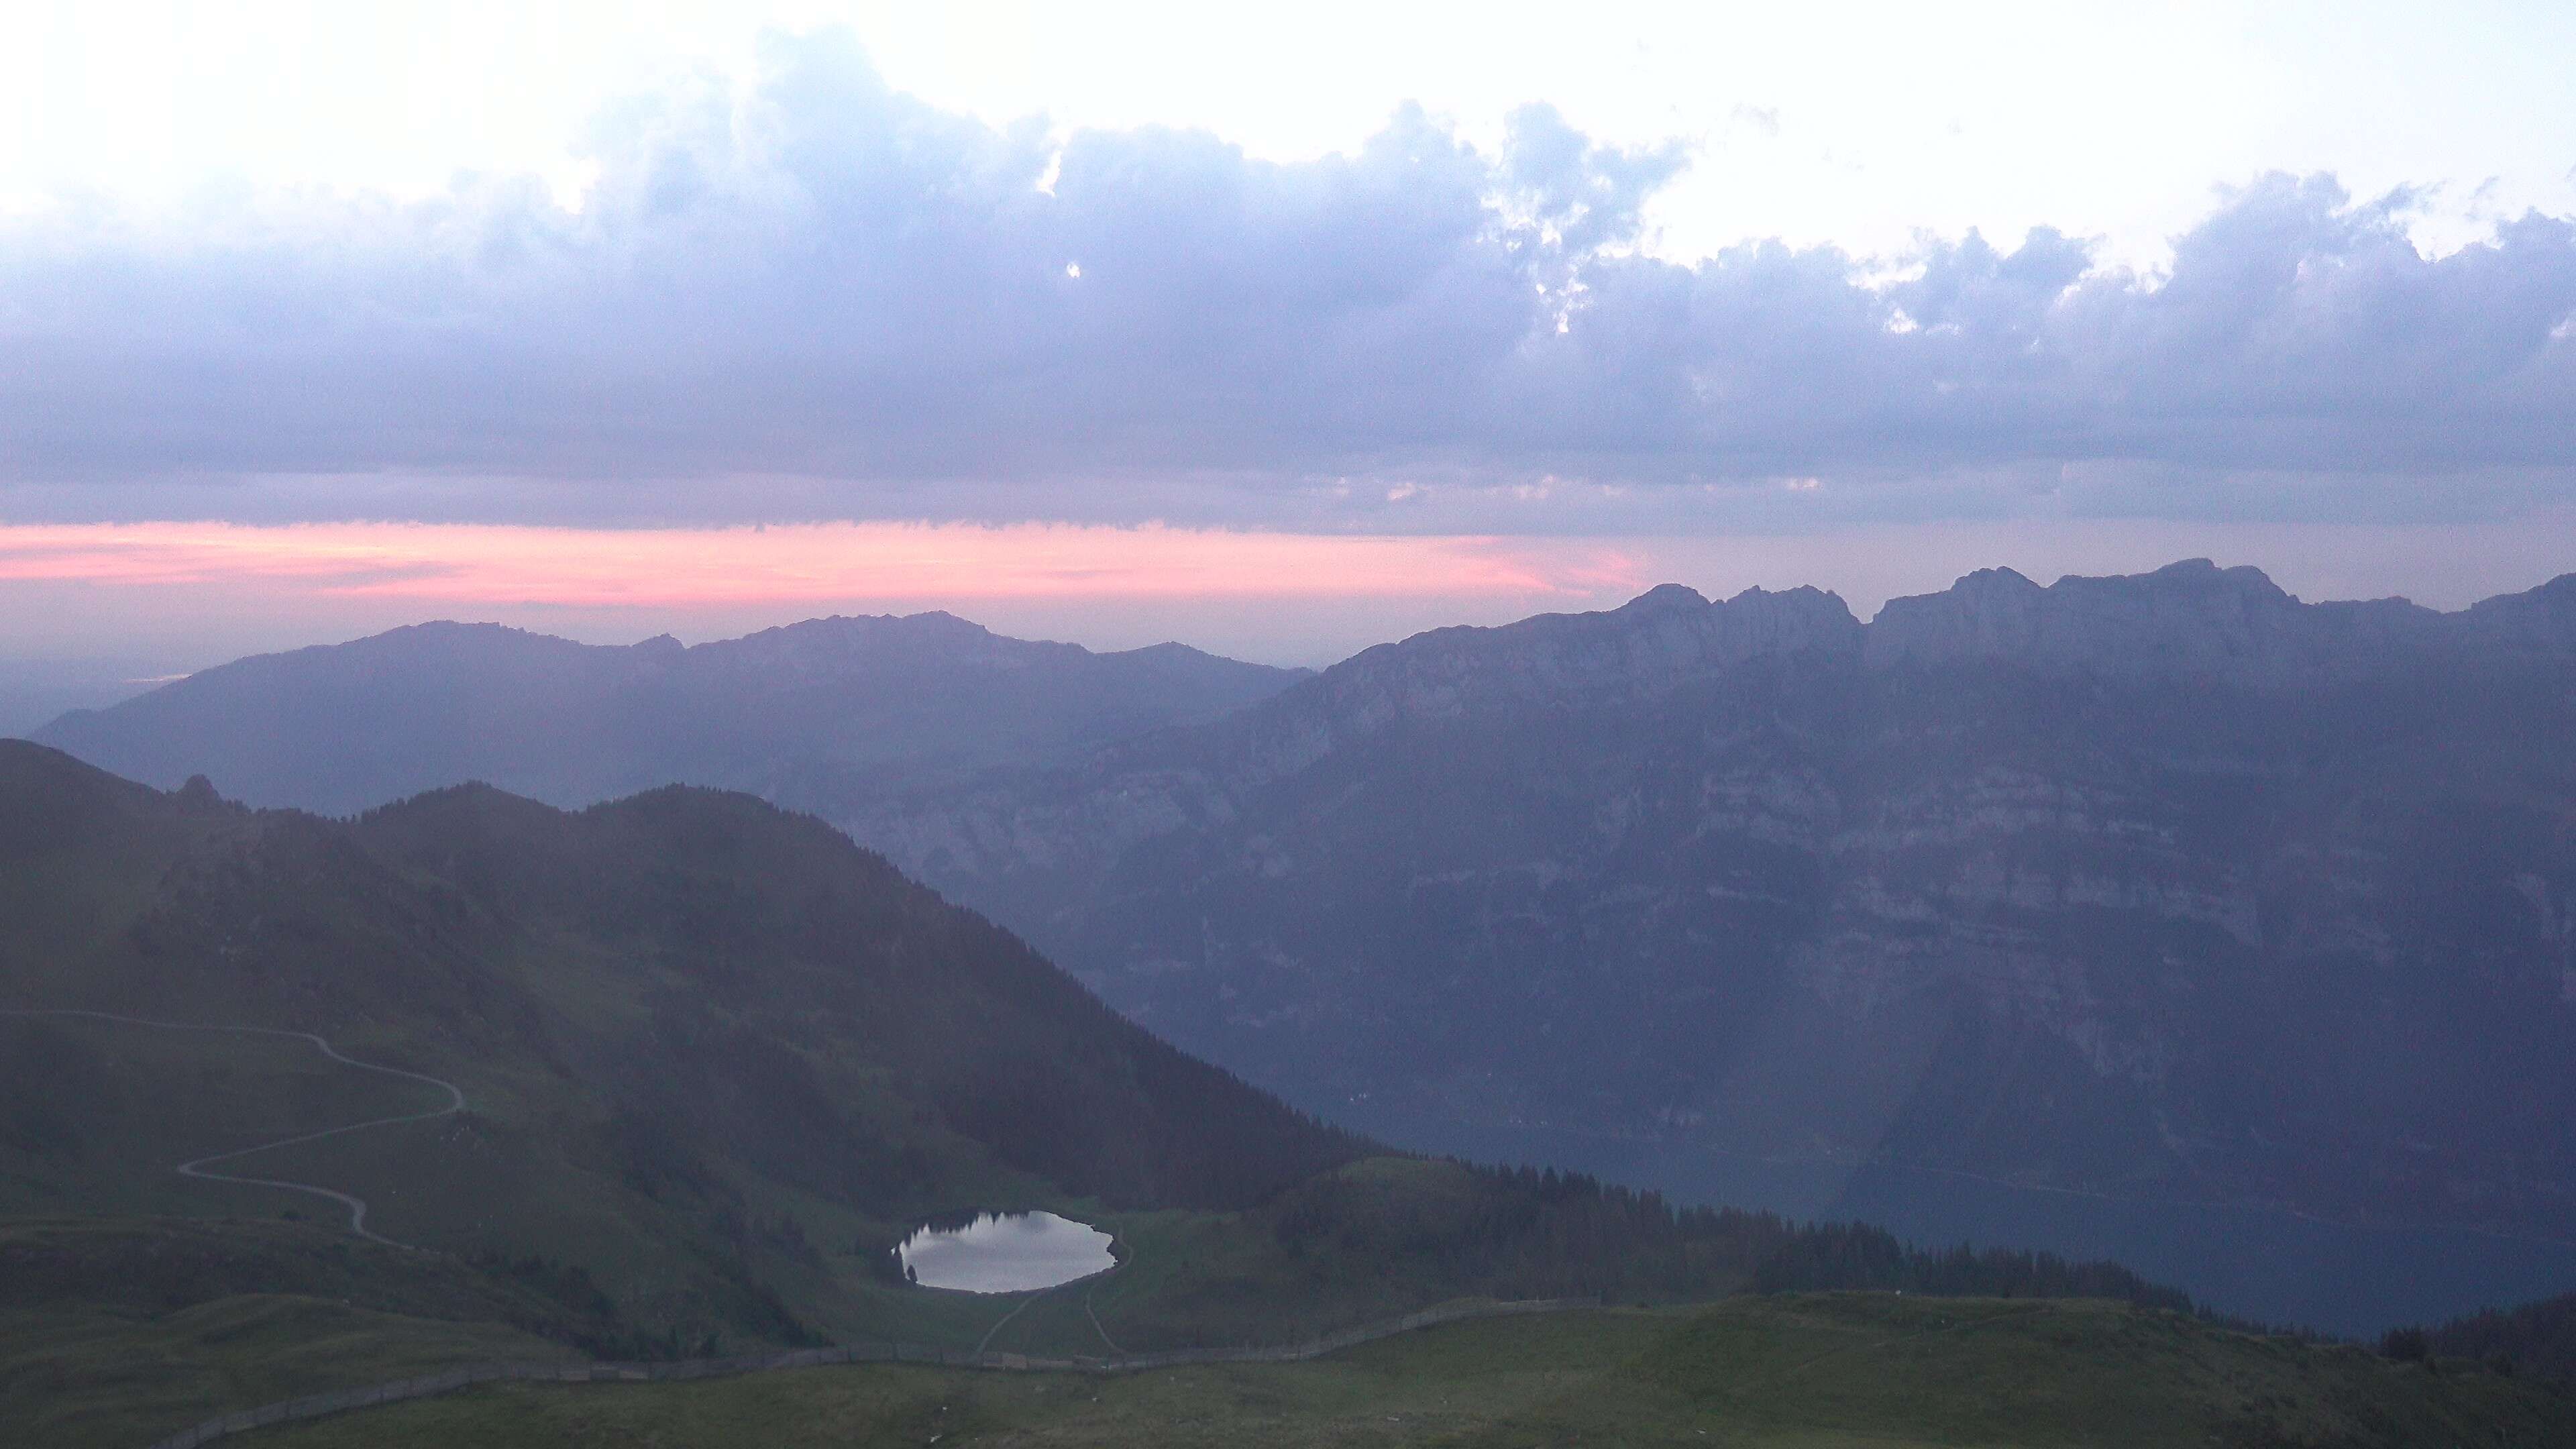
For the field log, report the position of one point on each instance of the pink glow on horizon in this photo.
(163, 596)
(795, 563)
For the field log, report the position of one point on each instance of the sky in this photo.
(1278, 330)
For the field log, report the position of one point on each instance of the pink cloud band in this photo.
(793, 563)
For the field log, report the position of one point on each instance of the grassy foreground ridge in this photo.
(1807, 1370)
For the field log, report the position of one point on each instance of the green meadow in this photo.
(1812, 1371)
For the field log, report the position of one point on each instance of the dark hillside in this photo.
(714, 1054)
(2536, 1340)
(798, 970)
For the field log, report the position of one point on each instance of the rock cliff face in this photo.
(2192, 620)
(2166, 886)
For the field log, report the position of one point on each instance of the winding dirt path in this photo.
(1089, 1281)
(197, 1167)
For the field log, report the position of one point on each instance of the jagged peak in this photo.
(1804, 597)
(929, 621)
(2204, 575)
(1998, 579)
(1683, 599)
(2190, 617)
(2183, 576)
(1666, 635)
(442, 629)
(1664, 597)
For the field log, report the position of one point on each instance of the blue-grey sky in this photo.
(1692, 283)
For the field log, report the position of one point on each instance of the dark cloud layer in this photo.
(847, 295)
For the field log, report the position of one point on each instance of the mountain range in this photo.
(794, 712)
(2167, 891)
(2166, 888)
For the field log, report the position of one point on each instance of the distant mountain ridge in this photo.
(2188, 619)
(2166, 886)
(2194, 619)
(786, 712)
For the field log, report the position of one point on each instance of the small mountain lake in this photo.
(1006, 1253)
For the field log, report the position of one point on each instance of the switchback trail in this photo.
(197, 1167)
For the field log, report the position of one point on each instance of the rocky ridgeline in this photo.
(2194, 619)
(2188, 620)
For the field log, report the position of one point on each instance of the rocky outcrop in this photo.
(2187, 620)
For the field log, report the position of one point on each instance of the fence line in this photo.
(314, 1406)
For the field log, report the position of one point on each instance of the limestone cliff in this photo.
(2169, 884)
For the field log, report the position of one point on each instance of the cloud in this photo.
(480, 566)
(822, 298)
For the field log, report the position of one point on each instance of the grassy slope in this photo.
(714, 1053)
(114, 1331)
(99, 1112)
(1828, 1370)
(117, 1327)
(1851, 1368)
(81, 1379)
(139, 1325)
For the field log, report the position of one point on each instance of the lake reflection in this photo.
(1007, 1253)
